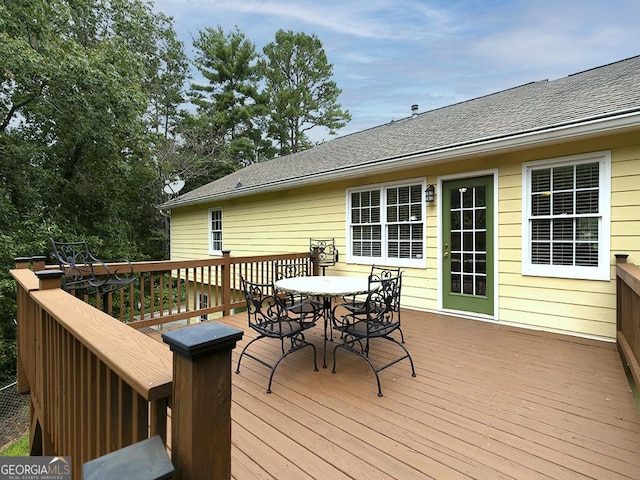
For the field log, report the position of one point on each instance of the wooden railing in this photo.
(628, 315)
(173, 290)
(96, 385)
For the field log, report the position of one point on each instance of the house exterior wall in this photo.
(284, 221)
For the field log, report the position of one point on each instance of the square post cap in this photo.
(202, 340)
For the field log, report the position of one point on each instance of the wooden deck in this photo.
(489, 402)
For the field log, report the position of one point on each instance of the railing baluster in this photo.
(152, 294)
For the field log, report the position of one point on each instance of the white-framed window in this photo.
(203, 302)
(215, 231)
(566, 206)
(385, 224)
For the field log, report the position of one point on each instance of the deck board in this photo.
(488, 402)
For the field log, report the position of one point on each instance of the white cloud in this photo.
(388, 54)
(376, 19)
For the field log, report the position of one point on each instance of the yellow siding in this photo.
(283, 222)
(189, 233)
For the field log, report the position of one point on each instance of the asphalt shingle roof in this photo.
(608, 90)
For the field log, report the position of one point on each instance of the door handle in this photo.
(446, 254)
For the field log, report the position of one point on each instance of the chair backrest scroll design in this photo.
(264, 307)
(323, 252)
(383, 303)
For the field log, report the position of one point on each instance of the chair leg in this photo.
(299, 347)
(364, 353)
(406, 355)
(350, 349)
(296, 344)
(248, 355)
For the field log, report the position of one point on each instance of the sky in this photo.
(388, 55)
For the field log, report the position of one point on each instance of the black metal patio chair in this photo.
(270, 318)
(84, 273)
(324, 252)
(357, 303)
(378, 320)
(297, 304)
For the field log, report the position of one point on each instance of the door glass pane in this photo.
(455, 199)
(467, 284)
(481, 196)
(467, 217)
(468, 241)
(468, 262)
(455, 221)
(456, 264)
(456, 243)
(456, 284)
(467, 198)
(481, 286)
(481, 263)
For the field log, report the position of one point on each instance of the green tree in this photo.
(78, 81)
(169, 77)
(301, 93)
(230, 105)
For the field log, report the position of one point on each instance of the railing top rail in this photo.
(166, 265)
(142, 362)
(25, 278)
(630, 274)
(270, 257)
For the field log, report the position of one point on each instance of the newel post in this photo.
(49, 278)
(226, 283)
(38, 262)
(201, 402)
(315, 261)
(621, 257)
(22, 262)
(23, 333)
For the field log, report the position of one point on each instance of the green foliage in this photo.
(236, 121)
(80, 85)
(301, 93)
(230, 105)
(91, 126)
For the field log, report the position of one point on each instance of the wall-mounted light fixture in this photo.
(430, 193)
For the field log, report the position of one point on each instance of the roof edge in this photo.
(617, 121)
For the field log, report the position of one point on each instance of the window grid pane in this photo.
(404, 222)
(387, 222)
(565, 215)
(216, 230)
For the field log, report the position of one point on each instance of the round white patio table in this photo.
(327, 287)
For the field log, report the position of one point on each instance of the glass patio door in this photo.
(467, 244)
